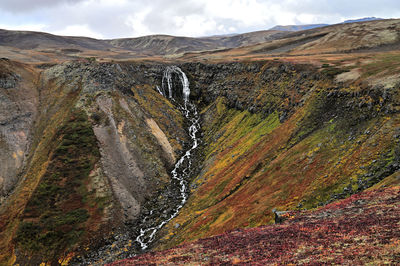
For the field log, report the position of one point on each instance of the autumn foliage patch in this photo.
(364, 228)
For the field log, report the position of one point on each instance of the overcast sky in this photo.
(131, 18)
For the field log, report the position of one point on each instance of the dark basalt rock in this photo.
(280, 216)
(9, 80)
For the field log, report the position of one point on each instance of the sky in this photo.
(106, 19)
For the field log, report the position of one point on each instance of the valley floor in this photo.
(362, 229)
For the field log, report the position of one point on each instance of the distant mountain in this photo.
(146, 45)
(361, 20)
(297, 27)
(325, 39)
(165, 44)
(31, 40)
(313, 26)
(37, 46)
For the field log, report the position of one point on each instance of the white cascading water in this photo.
(181, 170)
(168, 79)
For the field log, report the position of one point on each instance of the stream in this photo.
(182, 168)
(157, 214)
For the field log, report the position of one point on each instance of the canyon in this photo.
(112, 149)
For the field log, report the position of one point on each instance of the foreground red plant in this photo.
(364, 228)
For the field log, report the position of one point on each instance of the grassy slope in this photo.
(61, 208)
(39, 160)
(342, 140)
(56, 196)
(363, 229)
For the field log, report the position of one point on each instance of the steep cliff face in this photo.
(18, 109)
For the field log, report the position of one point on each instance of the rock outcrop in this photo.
(19, 98)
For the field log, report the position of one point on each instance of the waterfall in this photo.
(159, 90)
(167, 81)
(182, 168)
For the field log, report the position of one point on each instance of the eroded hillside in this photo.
(98, 152)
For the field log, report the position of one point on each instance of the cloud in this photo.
(78, 30)
(130, 18)
(21, 6)
(24, 27)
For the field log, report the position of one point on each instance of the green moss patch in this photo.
(55, 216)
